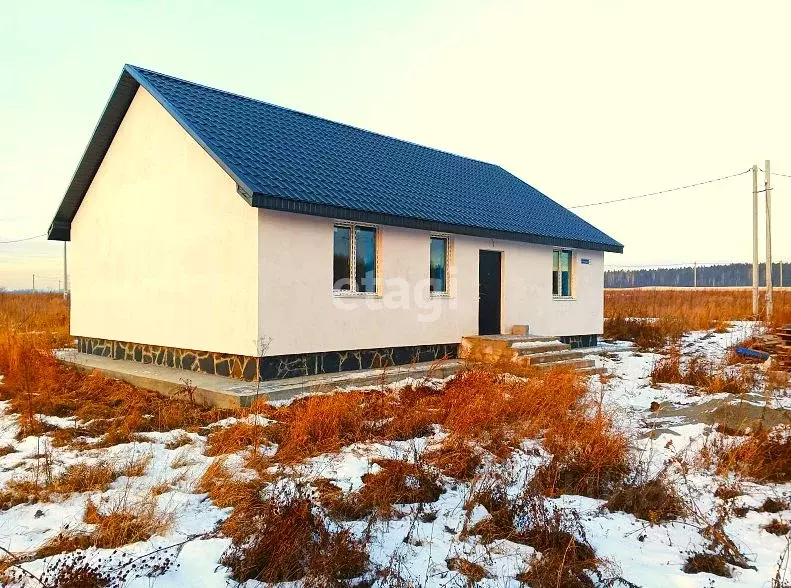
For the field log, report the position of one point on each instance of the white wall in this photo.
(163, 250)
(300, 313)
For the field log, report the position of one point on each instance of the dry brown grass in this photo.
(77, 478)
(124, 523)
(589, 457)
(566, 559)
(36, 383)
(647, 333)
(654, 501)
(455, 459)
(472, 571)
(36, 313)
(765, 456)
(696, 309)
(702, 373)
(235, 437)
(283, 539)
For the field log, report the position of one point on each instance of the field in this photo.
(675, 468)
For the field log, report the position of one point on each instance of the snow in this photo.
(644, 554)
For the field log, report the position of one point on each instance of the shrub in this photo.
(282, 539)
(653, 501)
(765, 456)
(125, 523)
(708, 563)
(398, 482)
(589, 458)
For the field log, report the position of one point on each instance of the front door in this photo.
(489, 285)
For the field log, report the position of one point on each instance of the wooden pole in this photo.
(768, 188)
(756, 278)
(65, 274)
(695, 275)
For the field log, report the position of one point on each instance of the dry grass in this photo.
(777, 527)
(470, 570)
(589, 457)
(654, 501)
(702, 373)
(708, 563)
(283, 539)
(695, 309)
(398, 482)
(36, 383)
(236, 437)
(765, 456)
(647, 333)
(124, 523)
(566, 558)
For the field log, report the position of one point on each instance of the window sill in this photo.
(345, 294)
(554, 297)
(440, 295)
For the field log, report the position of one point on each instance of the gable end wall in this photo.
(163, 250)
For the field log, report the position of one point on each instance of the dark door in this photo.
(489, 285)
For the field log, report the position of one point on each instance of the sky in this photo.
(586, 101)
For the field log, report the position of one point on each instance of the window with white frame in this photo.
(561, 273)
(354, 259)
(438, 265)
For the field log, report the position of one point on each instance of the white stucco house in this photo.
(203, 223)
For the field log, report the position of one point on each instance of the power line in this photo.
(662, 191)
(25, 239)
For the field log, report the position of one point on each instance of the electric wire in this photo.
(662, 191)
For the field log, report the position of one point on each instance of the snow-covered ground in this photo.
(640, 553)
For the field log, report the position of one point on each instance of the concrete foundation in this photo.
(222, 392)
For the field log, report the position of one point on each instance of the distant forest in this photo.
(732, 274)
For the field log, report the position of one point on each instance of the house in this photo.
(218, 233)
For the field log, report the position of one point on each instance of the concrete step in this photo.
(554, 356)
(541, 349)
(577, 364)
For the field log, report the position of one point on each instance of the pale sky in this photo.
(586, 101)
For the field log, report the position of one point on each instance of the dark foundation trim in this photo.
(577, 341)
(268, 368)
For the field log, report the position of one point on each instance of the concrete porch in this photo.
(543, 352)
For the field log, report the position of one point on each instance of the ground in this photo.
(430, 543)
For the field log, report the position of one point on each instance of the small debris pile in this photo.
(783, 350)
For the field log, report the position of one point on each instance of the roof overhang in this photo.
(286, 205)
(103, 135)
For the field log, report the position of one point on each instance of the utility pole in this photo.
(34, 282)
(695, 275)
(65, 274)
(768, 188)
(756, 300)
(781, 273)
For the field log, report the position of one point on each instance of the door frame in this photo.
(500, 255)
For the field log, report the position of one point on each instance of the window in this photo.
(561, 273)
(358, 243)
(438, 265)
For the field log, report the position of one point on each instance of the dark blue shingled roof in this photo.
(287, 160)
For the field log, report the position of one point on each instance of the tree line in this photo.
(732, 274)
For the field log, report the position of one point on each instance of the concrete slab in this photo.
(231, 393)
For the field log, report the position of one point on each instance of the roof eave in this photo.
(270, 202)
(92, 158)
(103, 135)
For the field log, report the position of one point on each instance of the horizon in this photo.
(440, 75)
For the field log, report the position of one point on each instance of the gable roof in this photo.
(286, 160)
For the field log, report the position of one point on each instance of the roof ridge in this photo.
(144, 71)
